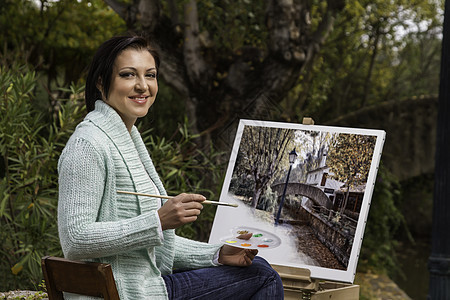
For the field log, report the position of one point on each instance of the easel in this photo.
(298, 284)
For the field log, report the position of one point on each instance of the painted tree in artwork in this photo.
(349, 160)
(261, 151)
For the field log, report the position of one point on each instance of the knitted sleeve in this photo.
(191, 254)
(82, 191)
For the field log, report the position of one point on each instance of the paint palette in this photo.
(260, 239)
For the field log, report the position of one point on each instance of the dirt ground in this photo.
(312, 247)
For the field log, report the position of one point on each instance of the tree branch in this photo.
(171, 71)
(324, 29)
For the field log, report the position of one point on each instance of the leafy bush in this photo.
(384, 221)
(242, 186)
(30, 144)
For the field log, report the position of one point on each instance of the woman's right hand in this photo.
(180, 210)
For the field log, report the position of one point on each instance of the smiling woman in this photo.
(134, 85)
(135, 233)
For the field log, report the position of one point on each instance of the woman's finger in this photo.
(247, 259)
(192, 212)
(190, 219)
(251, 254)
(192, 205)
(190, 197)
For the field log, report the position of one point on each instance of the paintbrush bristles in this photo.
(170, 197)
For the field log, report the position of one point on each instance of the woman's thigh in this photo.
(257, 281)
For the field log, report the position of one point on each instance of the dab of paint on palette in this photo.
(248, 244)
(252, 238)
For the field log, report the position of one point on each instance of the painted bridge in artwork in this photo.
(315, 194)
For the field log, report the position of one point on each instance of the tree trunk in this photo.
(256, 196)
(368, 80)
(344, 205)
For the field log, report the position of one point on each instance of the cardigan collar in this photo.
(129, 144)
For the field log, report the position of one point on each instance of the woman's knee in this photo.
(266, 268)
(261, 263)
(272, 281)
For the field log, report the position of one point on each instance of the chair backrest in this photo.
(84, 278)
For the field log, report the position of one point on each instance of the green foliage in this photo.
(417, 206)
(378, 51)
(384, 222)
(29, 150)
(231, 25)
(58, 37)
(242, 186)
(185, 168)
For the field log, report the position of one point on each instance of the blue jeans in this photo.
(257, 281)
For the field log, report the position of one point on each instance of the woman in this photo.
(132, 233)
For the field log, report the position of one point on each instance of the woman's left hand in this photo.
(233, 256)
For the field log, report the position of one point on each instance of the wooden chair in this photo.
(84, 278)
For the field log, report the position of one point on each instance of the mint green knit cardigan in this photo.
(97, 224)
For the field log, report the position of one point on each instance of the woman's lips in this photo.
(139, 99)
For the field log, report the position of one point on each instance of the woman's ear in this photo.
(99, 86)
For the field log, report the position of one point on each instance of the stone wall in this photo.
(336, 240)
(339, 243)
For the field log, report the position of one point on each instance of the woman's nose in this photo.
(141, 84)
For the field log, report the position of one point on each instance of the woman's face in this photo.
(133, 85)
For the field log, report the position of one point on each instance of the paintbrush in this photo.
(170, 197)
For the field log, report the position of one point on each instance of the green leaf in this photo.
(3, 204)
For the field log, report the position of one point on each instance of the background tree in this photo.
(260, 156)
(57, 38)
(228, 59)
(376, 50)
(349, 160)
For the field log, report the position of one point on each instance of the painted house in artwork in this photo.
(322, 178)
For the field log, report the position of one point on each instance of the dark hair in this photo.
(103, 62)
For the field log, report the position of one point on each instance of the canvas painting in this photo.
(303, 194)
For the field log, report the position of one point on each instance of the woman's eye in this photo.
(126, 74)
(151, 75)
